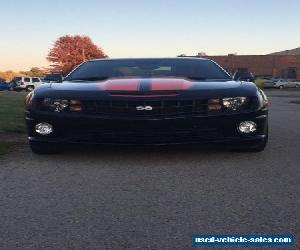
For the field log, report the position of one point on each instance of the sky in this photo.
(144, 28)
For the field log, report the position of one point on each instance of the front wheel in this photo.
(297, 86)
(281, 87)
(45, 147)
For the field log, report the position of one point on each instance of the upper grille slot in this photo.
(160, 107)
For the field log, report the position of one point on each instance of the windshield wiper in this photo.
(95, 78)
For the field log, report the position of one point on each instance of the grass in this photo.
(12, 112)
(5, 147)
(12, 120)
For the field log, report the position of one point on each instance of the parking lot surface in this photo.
(97, 198)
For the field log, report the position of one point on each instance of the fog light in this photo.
(44, 128)
(247, 127)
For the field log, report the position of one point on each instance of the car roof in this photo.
(150, 58)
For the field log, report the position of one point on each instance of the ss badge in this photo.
(140, 108)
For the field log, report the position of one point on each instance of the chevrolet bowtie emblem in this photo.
(140, 108)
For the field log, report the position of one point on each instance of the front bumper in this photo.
(77, 128)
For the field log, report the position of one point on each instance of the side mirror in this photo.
(58, 79)
(54, 79)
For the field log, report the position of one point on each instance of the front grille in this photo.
(159, 108)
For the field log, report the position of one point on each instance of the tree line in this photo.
(34, 71)
(67, 52)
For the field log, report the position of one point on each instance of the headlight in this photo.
(28, 100)
(56, 105)
(214, 105)
(60, 105)
(75, 106)
(234, 103)
(264, 99)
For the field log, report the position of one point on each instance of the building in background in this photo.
(285, 66)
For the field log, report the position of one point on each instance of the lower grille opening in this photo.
(147, 136)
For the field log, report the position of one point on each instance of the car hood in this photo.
(147, 87)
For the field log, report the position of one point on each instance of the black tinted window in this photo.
(35, 79)
(17, 79)
(26, 79)
(194, 68)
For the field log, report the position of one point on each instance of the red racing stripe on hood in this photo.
(119, 85)
(169, 84)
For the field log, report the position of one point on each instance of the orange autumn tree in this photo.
(69, 51)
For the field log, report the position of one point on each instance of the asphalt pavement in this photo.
(105, 198)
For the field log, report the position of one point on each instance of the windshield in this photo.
(147, 68)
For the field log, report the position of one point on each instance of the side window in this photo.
(35, 80)
(26, 79)
(17, 79)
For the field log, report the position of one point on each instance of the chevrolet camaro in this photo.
(147, 101)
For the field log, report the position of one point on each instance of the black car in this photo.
(12, 85)
(147, 101)
(3, 85)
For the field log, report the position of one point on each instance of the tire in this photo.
(29, 88)
(297, 86)
(11, 89)
(43, 148)
(281, 86)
